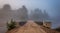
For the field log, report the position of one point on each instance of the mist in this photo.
(52, 8)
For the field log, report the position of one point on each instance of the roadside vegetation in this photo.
(11, 25)
(57, 29)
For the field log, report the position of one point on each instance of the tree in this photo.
(7, 7)
(46, 16)
(37, 14)
(23, 13)
(11, 25)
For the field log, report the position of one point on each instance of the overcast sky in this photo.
(51, 6)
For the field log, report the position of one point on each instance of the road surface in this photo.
(29, 27)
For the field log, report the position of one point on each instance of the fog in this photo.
(50, 7)
(47, 10)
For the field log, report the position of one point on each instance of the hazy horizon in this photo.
(52, 7)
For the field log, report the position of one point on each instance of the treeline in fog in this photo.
(7, 13)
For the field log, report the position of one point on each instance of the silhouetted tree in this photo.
(37, 14)
(7, 7)
(46, 16)
(23, 13)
